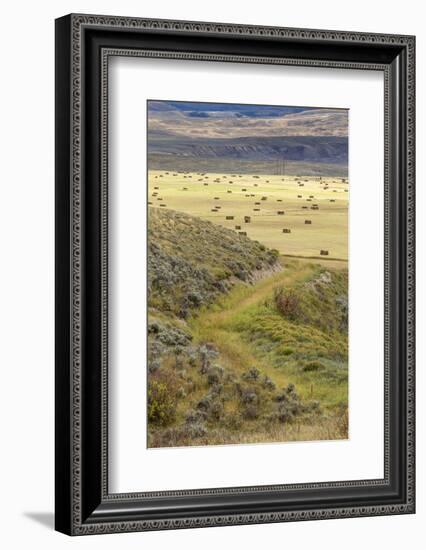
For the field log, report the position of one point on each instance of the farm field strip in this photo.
(285, 203)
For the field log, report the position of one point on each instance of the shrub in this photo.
(168, 335)
(250, 411)
(287, 394)
(268, 384)
(342, 304)
(242, 275)
(216, 410)
(313, 366)
(286, 411)
(343, 423)
(153, 364)
(194, 299)
(287, 303)
(162, 400)
(273, 256)
(248, 396)
(194, 417)
(214, 375)
(233, 421)
(181, 393)
(194, 431)
(252, 375)
(210, 407)
(192, 357)
(207, 353)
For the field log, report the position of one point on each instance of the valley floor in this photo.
(301, 216)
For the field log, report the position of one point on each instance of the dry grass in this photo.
(330, 428)
(329, 229)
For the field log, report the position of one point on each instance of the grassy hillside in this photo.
(240, 351)
(192, 261)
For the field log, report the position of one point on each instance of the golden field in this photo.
(216, 197)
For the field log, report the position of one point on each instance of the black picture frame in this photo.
(83, 45)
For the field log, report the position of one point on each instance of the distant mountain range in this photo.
(191, 108)
(220, 137)
(322, 149)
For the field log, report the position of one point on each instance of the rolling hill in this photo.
(192, 261)
(240, 350)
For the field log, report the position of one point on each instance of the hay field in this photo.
(215, 197)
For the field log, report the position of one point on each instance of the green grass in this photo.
(248, 330)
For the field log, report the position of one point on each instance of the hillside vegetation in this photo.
(192, 261)
(240, 348)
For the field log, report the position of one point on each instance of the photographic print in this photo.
(201, 274)
(247, 273)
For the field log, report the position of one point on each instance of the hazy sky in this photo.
(227, 120)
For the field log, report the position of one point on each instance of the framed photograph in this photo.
(234, 274)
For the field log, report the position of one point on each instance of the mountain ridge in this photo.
(318, 149)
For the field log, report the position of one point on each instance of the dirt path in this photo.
(216, 323)
(224, 325)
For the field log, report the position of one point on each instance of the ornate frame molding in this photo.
(76, 26)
